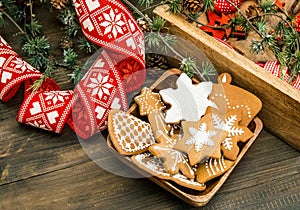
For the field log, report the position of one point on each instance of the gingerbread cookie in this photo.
(228, 97)
(174, 160)
(150, 104)
(129, 134)
(201, 140)
(151, 164)
(155, 167)
(188, 102)
(149, 101)
(160, 128)
(212, 168)
(236, 132)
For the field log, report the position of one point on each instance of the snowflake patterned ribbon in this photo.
(108, 24)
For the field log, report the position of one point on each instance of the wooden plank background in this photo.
(41, 170)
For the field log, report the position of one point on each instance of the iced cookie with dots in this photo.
(229, 97)
(154, 166)
(129, 134)
(149, 101)
(236, 132)
(212, 168)
(150, 104)
(200, 139)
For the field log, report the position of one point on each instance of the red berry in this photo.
(222, 6)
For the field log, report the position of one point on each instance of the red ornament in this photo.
(223, 7)
(280, 4)
(212, 19)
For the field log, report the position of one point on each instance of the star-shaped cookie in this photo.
(188, 102)
(149, 101)
(174, 160)
(200, 139)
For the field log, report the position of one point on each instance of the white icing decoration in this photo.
(228, 126)
(200, 137)
(155, 166)
(234, 107)
(213, 166)
(188, 102)
(224, 79)
(132, 133)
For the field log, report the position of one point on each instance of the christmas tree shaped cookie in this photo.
(228, 97)
(129, 134)
(200, 139)
(236, 133)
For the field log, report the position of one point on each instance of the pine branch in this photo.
(14, 23)
(208, 5)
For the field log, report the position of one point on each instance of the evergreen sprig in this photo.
(38, 50)
(157, 24)
(175, 6)
(68, 17)
(145, 3)
(189, 66)
(86, 45)
(208, 5)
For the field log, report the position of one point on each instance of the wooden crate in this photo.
(281, 102)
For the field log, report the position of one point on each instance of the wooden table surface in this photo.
(41, 170)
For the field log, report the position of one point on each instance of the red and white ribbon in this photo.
(117, 70)
(274, 68)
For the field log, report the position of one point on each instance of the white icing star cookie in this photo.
(188, 102)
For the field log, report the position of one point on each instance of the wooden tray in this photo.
(281, 102)
(192, 197)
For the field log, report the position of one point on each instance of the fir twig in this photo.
(137, 10)
(153, 6)
(15, 23)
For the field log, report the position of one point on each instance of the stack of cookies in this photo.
(190, 134)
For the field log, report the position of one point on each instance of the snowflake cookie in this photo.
(200, 139)
(236, 132)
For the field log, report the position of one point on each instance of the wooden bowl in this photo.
(192, 197)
